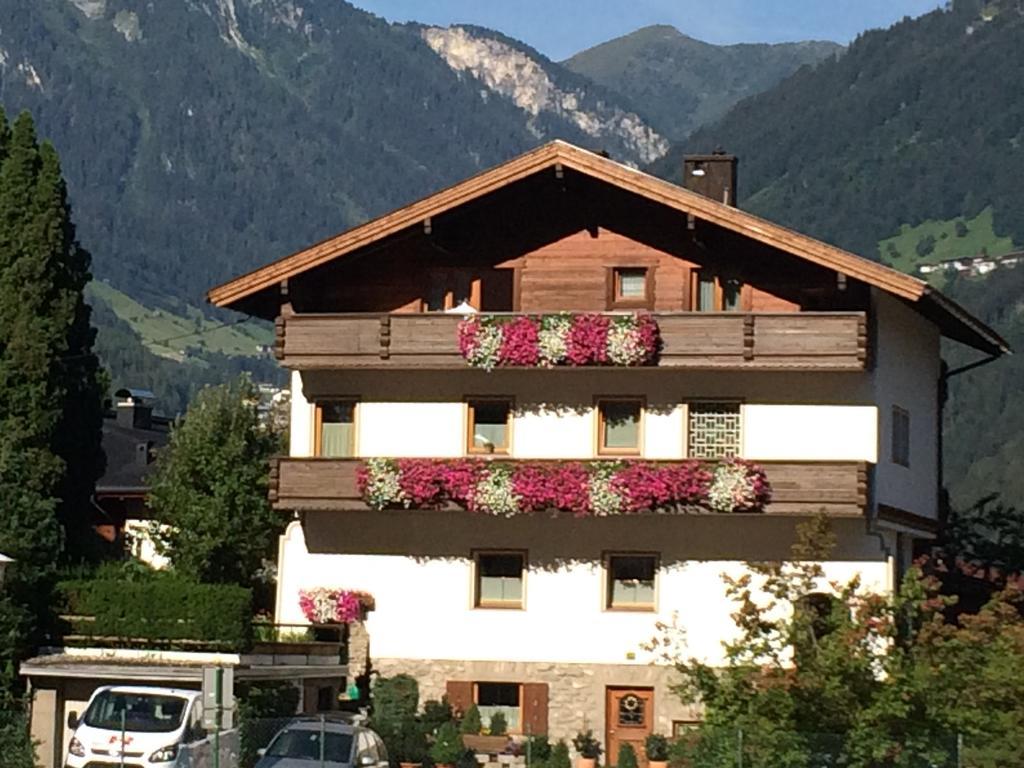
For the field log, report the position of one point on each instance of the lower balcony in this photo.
(835, 488)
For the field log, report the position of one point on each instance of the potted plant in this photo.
(656, 747)
(447, 747)
(499, 724)
(471, 727)
(588, 747)
(411, 743)
(627, 756)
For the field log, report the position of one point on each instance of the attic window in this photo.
(716, 293)
(630, 287)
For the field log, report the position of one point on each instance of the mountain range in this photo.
(201, 138)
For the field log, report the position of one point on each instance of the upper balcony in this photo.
(835, 488)
(765, 341)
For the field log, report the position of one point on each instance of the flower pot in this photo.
(487, 745)
(444, 765)
(657, 764)
(586, 762)
(410, 765)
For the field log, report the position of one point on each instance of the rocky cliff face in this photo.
(542, 88)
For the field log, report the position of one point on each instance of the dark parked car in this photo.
(309, 742)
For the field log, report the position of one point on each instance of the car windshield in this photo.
(142, 712)
(304, 744)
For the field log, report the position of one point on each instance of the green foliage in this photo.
(209, 488)
(50, 409)
(948, 239)
(656, 747)
(627, 756)
(263, 709)
(680, 83)
(498, 725)
(560, 756)
(925, 246)
(587, 745)
(538, 748)
(161, 609)
(436, 713)
(471, 722)
(890, 683)
(447, 748)
(395, 698)
(411, 745)
(15, 744)
(988, 533)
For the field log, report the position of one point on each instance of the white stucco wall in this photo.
(907, 369)
(418, 567)
(300, 438)
(822, 432)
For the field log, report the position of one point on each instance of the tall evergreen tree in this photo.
(50, 383)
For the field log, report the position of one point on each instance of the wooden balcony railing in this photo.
(837, 488)
(830, 341)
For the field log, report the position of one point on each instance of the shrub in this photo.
(656, 747)
(538, 748)
(411, 744)
(159, 609)
(560, 756)
(587, 745)
(436, 713)
(471, 722)
(395, 698)
(499, 724)
(447, 748)
(627, 756)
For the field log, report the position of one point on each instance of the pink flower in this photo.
(468, 330)
(519, 342)
(588, 340)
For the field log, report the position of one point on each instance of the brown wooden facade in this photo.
(826, 341)
(837, 488)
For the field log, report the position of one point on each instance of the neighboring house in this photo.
(820, 367)
(132, 434)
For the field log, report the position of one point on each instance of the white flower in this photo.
(552, 338)
(624, 347)
(730, 488)
(382, 487)
(603, 500)
(493, 494)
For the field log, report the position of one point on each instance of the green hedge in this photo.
(162, 609)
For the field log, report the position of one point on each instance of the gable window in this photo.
(335, 429)
(630, 582)
(491, 698)
(489, 422)
(900, 436)
(630, 287)
(713, 430)
(715, 293)
(449, 287)
(618, 427)
(500, 578)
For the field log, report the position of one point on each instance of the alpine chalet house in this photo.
(541, 410)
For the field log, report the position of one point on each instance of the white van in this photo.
(157, 724)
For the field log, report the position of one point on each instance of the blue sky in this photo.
(559, 28)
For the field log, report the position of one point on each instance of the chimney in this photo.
(134, 409)
(711, 175)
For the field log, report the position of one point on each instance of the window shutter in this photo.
(460, 694)
(535, 708)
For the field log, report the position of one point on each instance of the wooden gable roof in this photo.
(954, 321)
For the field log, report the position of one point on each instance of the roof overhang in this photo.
(954, 321)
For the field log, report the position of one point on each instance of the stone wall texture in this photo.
(576, 692)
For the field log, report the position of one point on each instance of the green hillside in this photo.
(680, 84)
(933, 241)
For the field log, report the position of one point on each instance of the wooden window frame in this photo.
(606, 596)
(746, 292)
(900, 454)
(472, 450)
(318, 424)
(600, 448)
(500, 605)
(447, 277)
(522, 699)
(690, 402)
(615, 300)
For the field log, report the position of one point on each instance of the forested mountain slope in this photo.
(912, 139)
(679, 83)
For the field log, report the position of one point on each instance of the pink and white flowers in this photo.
(584, 489)
(490, 341)
(329, 605)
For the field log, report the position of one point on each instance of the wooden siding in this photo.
(820, 341)
(799, 487)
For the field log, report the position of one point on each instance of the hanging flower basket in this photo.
(530, 341)
(329, 605)
(584, 489)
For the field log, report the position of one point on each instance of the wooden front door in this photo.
(629, 719)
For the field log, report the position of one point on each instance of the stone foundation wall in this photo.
(576, 692)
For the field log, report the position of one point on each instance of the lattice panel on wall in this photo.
(713, 431)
